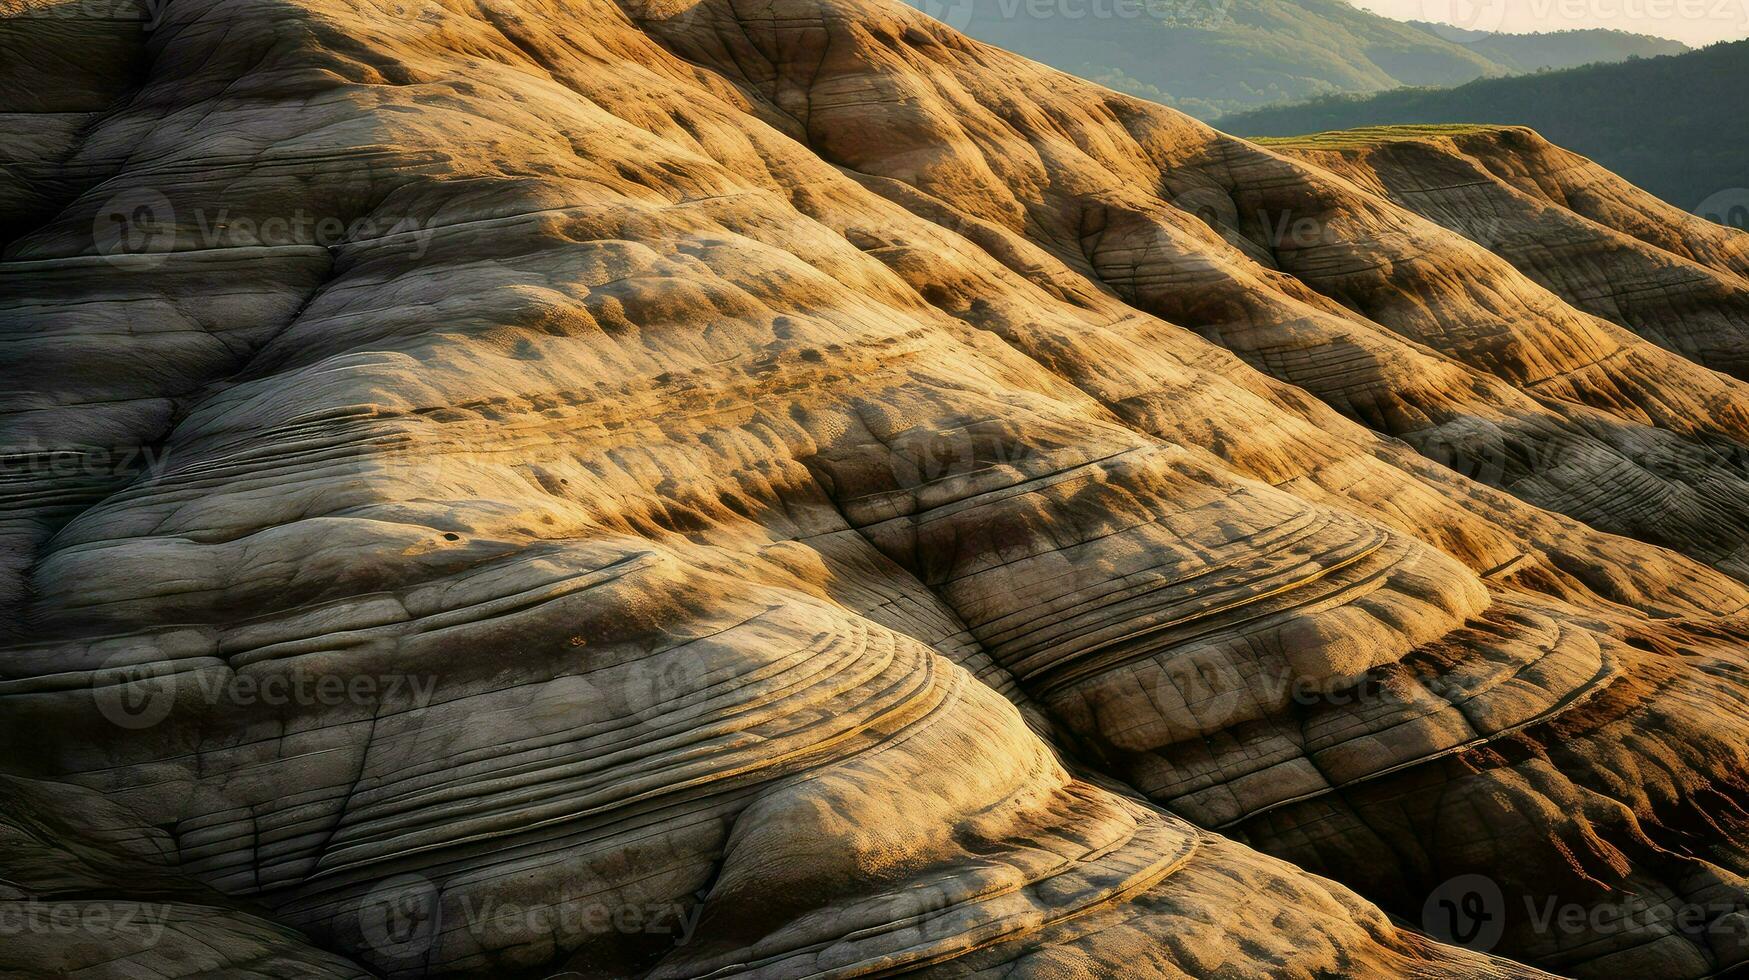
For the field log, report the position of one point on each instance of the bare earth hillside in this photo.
(776, 488)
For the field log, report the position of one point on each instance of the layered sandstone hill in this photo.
(777, 488)
(1576, 229)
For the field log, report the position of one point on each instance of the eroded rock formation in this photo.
(700, 489)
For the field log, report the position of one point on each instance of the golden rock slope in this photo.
(778, 488)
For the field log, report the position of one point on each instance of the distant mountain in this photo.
(1558, 49)
(1212, 57)
(1672, 125)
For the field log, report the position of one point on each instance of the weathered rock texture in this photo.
(777, 488)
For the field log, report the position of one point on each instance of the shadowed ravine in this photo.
(761, 487)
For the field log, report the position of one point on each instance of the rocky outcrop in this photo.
(710, 488)
(1576, 229)
(90, 890)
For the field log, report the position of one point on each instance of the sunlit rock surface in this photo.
(675, 489)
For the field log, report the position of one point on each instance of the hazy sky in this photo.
(1696, 22)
